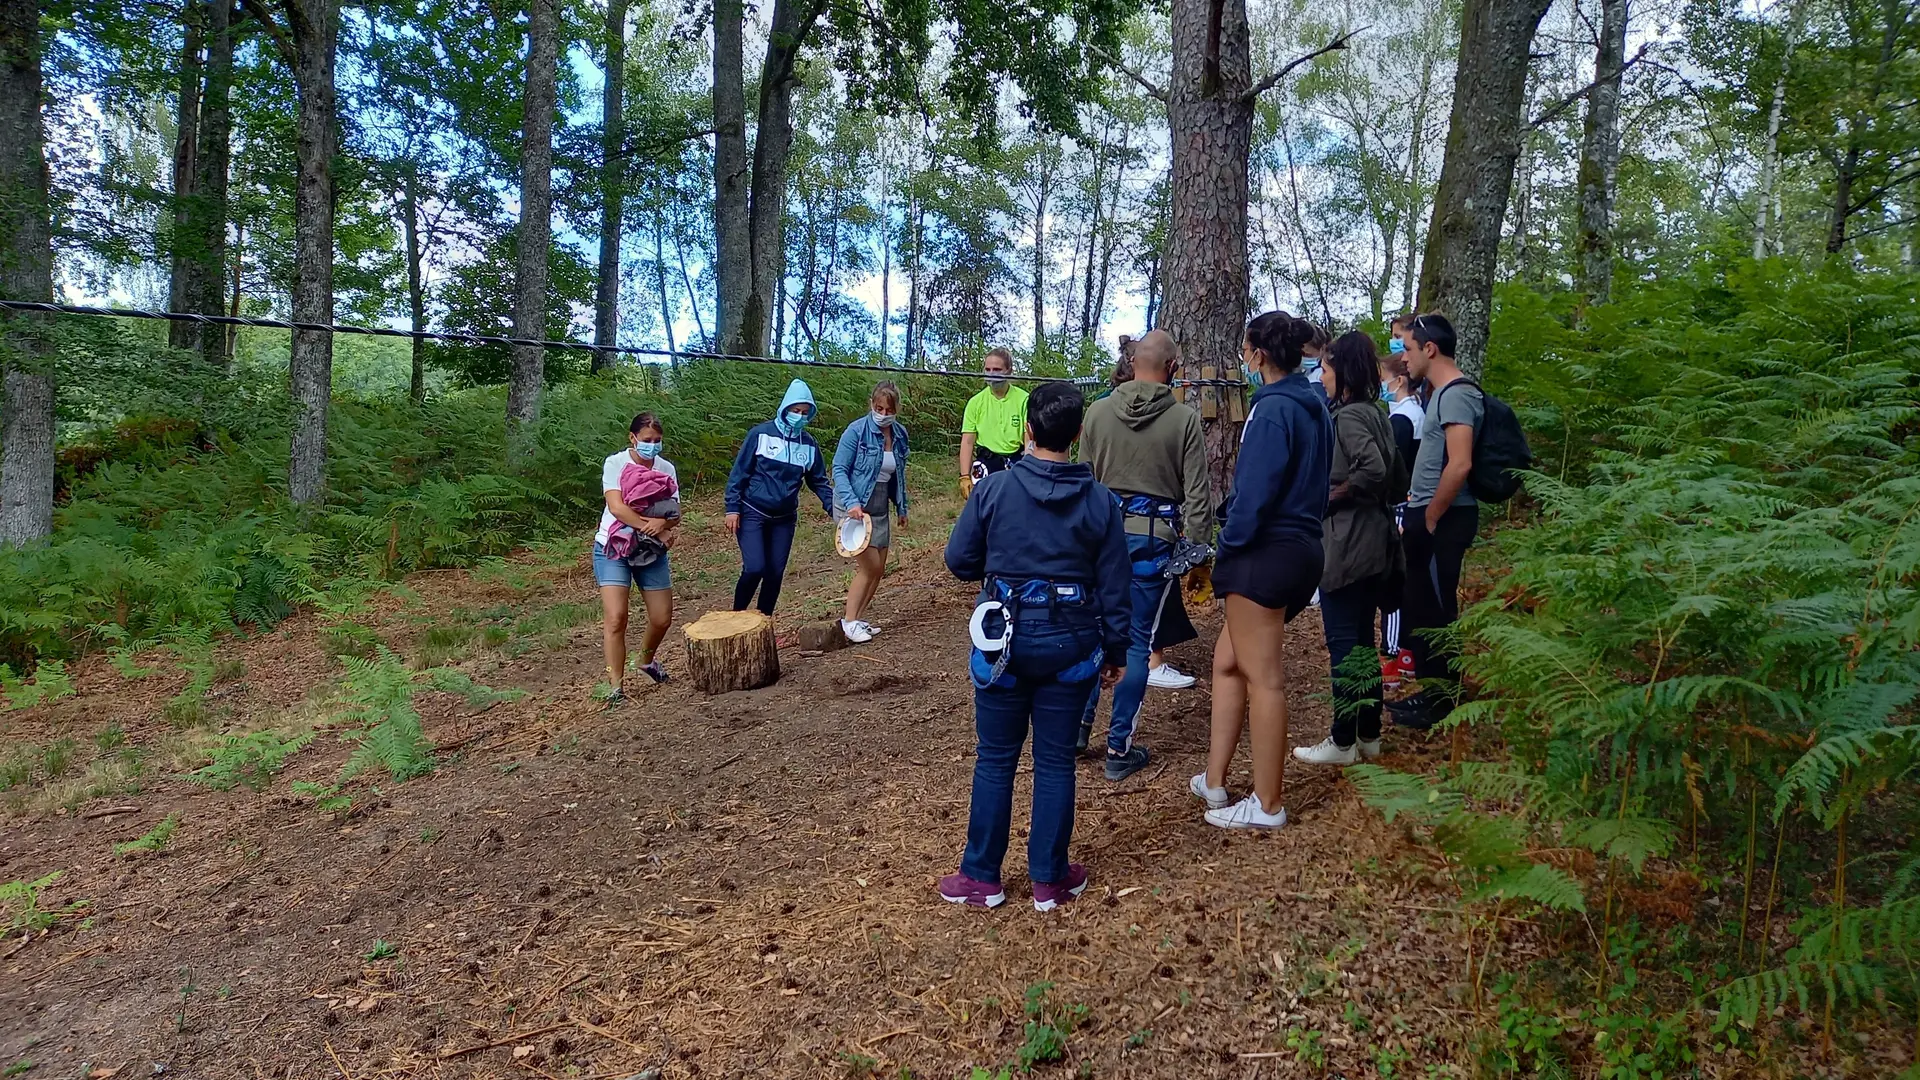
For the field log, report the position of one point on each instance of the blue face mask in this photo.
(648, 450)
(1396, 346)
(795, 422)
(1386, 393)
(1254, 378)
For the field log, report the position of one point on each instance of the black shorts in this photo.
(1281, 575)
(987, 462)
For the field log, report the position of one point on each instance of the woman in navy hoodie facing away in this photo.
(1045, 541)
(763, 495)
(1267, 564)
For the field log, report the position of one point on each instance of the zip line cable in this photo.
(513, 342)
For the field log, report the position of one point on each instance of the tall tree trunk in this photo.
(1765, 204)
(1848, 172)
(1600, 155)
(315, 26)
(1416, 169)
(186, 138)
(1389, 237)
(886, 263)
(1108, 240)
(660, 278)
(1205, 264)
(26, 273)
(1089, 326)
(606, 294)
(1844, 175)
(916, 224)
(416, 286)
(1042, 194)
(693, 298)
(733, 251)
(207, 207)
(772, 147)
(1476, 175)
(239, 262)
(535, 234)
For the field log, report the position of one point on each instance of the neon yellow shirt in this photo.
(1000, 422)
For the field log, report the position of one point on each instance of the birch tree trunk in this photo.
(1476, 175)
(1600, 155)
(1205, 264)
(535, 234)
(26, 273)
(206, 262)
(186, 138)
(733, 251)
(606, 294)
(315, 30)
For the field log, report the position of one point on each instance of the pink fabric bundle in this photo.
(640, 488)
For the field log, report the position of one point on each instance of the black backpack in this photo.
(1500, 449)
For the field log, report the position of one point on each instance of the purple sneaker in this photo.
(654, 671)
(961, 889)
(1048, 895)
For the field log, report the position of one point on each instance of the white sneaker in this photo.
(1327, 752)
(855, 631)
(872, 630)
(1168, 677)
(1246, 814)
(1369, 748)
(1214, 797)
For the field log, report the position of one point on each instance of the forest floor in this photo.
(686, 886)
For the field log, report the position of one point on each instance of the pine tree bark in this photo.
(186, 137)
(26, 273)
(1476, 174)
(535, 233)
(315, 33)
(1205, 264)
(606, 294)
(206, 262)
(733, 251)
(1600, 155)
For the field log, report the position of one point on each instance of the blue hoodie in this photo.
(1280, 480)
(773, 462)
(1049, 520)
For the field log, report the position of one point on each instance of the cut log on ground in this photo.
(732, 650)
(821, 637)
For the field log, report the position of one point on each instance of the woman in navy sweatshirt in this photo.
(763, 495)
(1267, 565)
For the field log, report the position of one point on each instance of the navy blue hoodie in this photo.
(773, 463)
(1280, 479)
(1050, 520)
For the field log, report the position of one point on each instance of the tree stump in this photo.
(822, 637)
(732, 650)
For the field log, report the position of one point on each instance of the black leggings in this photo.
(1433, 584)
(764, 547)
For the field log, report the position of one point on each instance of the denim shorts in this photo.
(652, 577)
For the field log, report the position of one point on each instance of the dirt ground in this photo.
(694, 887)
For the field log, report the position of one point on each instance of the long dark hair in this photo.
(1356, 368)
(1281, 337)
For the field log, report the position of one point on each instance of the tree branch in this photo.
(1566, 103)
(1882, 227)
(1880, 190)
(1157, 93)
(1273, 80)
(281, 42)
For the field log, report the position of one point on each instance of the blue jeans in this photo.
(652, 577)
(1001, 715)
(764, 547)
(1346, 614)
(1149, 557)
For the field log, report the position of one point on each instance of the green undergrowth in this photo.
(1702, 658)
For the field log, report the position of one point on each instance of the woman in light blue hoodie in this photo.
(869, 476)
(763, 495)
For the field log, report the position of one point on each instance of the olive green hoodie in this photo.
(1140, 441)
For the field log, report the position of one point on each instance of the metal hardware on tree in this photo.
(493, 339)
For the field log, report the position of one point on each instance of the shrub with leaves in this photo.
(49, 683)
(253, 760)
(154, 840)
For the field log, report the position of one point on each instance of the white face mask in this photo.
(885, 420)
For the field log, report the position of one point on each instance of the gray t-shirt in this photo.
(1459, 405)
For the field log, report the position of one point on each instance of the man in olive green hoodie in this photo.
(1148, 449)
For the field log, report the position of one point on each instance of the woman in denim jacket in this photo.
(869, 475)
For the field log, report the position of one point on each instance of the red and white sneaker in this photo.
(1048, 895)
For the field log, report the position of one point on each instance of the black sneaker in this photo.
(1121, 766)
(1415, 713)
(1081, 740)
(615, 699)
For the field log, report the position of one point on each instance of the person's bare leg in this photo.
(1260, 637)
(659, 618)
(1155, 659)
(1229, 706)
(868, 568)
(613, 635)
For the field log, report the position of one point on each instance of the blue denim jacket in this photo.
(856, 464)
